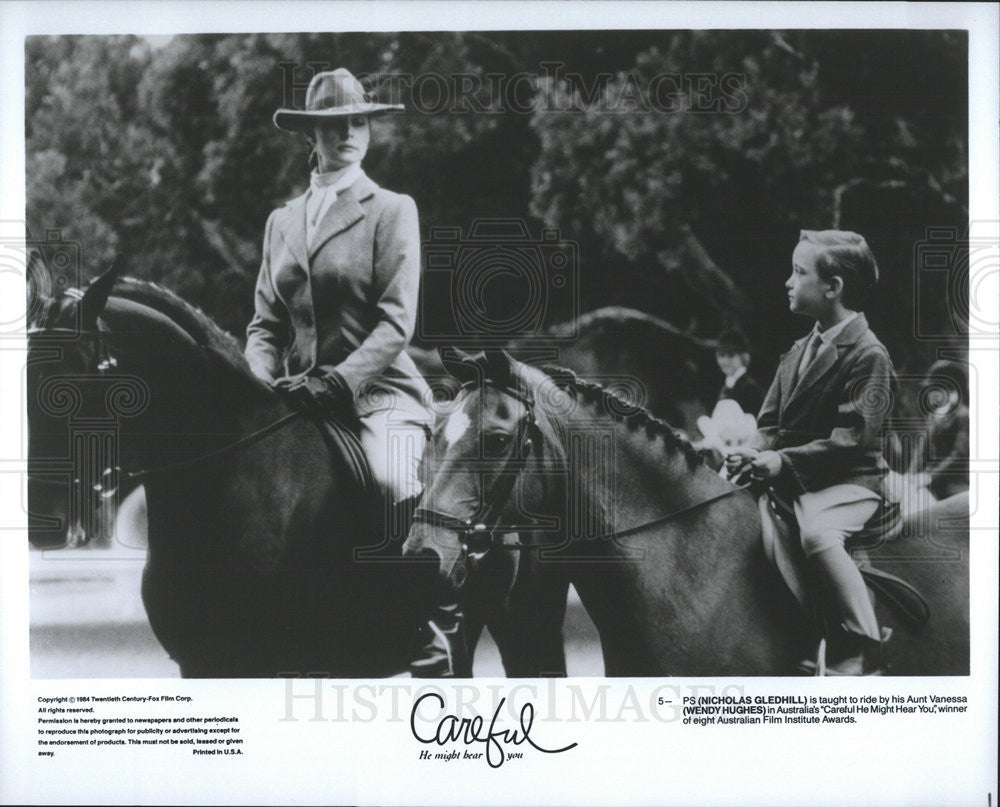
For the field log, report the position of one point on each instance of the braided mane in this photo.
(624, 411)
(189, 318)
(195, 322)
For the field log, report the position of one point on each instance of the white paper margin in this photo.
(627, 761)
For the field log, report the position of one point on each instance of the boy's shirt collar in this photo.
(828, 336)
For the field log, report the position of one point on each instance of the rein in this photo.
(243, 442)
(676, 514)
(487, 521)
(105, 362)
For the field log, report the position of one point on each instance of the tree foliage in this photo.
(167, 158)
(743, 171)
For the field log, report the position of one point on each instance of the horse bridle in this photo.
(104, 362)
(486, 522)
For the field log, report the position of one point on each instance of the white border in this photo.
(945, 761)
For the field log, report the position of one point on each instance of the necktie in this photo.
(810, 353)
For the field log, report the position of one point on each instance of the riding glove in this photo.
(318, 390)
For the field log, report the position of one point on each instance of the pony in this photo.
(666, 555)
(263, 544)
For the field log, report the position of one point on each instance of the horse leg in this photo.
(528, 629)
(473, 628)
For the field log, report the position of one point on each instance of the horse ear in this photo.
(499, 365)
(494, 364)
(460, 364)
(96, 297)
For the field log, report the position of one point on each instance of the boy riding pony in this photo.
(820, 429)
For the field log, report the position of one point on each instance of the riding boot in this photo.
(853, 639)
(851, 654)
(444, 653)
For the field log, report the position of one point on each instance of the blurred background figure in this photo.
(733, 422)
(732, 353)
(727, 430)
(942, 464)
(939, 467)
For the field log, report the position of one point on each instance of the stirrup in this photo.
(869, 656)
(818, 666)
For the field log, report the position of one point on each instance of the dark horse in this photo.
(252, 568)
(666, 555)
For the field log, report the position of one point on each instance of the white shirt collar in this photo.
(323, 193)
(731, 380)
(830, 334)
(322, 182)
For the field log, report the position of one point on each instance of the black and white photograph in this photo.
(533, 387)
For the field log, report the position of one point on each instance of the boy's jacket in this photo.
(828, 425)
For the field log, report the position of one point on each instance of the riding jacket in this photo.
(348, 302)
(828, 425)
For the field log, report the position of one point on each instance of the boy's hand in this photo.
(766, 465)
(737, 462)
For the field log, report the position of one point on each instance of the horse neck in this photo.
(623, 470)
(660, 591)
(195, 400)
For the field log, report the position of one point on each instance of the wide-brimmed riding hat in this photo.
(332, 94)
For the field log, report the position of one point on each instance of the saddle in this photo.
(783, 548)
(340, 433)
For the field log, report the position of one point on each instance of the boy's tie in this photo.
(810, 353)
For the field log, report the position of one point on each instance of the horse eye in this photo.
(496, 444)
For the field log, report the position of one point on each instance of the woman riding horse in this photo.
(336, 301)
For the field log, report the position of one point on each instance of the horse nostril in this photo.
(425, 555)
(428, 565)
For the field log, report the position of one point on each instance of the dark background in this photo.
(165, 158)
